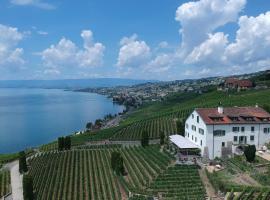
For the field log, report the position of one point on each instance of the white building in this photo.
(218, 131)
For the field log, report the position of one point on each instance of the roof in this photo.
(182, 142)
(234, 115)
(239, 83)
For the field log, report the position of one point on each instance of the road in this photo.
(16, 180)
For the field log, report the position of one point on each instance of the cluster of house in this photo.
(236, 84)
(219, 132)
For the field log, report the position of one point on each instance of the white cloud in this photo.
(10, 54)
(42, 33)
(163, 44)
(211, 51)
(67, 54)
(252, 42)
(36, 3)
(133, 52)
(161, 63)
(199, 19)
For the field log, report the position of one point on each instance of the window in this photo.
(188, 134)
(223, 144)
(219, 133)
(186, 126)
(192, 116)
(198, 119)
(201, 142)
(242, 129)
(235, 138)
(195, 139)
(193, 128)
(266, 130)
(235, 129)
(192, 137)
(252, 128)
(252, 138)
(201, 131)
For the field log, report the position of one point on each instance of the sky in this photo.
(138, 39)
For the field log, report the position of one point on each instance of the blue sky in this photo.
(42, 39)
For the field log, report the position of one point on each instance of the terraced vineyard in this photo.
(87, 174)
(153, 127)
(179, 182)
(4, 183)
(249, 194)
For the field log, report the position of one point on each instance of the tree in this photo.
(162, 138)
(22, 162)
(61, 143)
(28, 193)
(98, 122)
(180, 127)
(89, 125)
(67, 143)
(250, 153)
(145, 139)
(266, 107)
(117, 163)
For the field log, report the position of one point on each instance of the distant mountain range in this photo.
(71, 83)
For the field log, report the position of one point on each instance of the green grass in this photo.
(5, 158)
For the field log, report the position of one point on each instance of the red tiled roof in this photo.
(209, 114)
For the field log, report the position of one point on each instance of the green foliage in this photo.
(145, 139)
(64, 143)
(250, 152)
(180, 127)
(89, 125)
(117, 163)
(162, 138)
(266, 107)
(22, 162)
(28, 192)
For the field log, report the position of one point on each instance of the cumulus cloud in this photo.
(160, 63)
(199, 19)
(252, 43)
(67, 54)
(10, 54)
(36, 3)
(209, 51)
(133, 52)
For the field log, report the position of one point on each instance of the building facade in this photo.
(219, 131)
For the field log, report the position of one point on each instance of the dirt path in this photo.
(16, 180)
(208, 187)
(245, 179)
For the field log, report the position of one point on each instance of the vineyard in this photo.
(4, 183)
(87, 174)
(248, 194)
(179, 182)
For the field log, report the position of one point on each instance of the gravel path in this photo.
(16, 181)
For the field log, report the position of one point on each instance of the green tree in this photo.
(28, 193)
(250, 153)
(67, 143)
(22, 162)
(162, 138)
(61, 143)
(145, 139)
(180, 127)
(89, 125)
(266, 107)
(117, 163)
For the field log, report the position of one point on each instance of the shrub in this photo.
(145, 139)
(28, 193)
(22, 162)
(117, 163)
(250, 153)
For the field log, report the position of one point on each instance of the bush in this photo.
(162, 138)
(117, 163)
(22, 162)
(145, 139)
(250, 153)
(28, 193)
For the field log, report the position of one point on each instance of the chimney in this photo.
(220, 108)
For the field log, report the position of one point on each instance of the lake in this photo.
(31, 117)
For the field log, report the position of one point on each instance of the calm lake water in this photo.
(31, 117)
